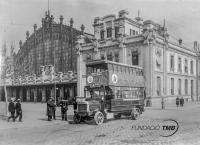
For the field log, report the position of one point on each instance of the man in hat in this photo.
(11, 109)
(64, 108)
(50, 108)
(54, 109)
(181, 102)
(18, 110)
(177, 101)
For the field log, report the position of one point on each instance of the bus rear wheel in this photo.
(98, 118)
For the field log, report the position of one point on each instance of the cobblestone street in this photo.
(36, 130)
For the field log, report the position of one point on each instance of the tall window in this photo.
(102, 34)
(109, 56)
(158, 88)
(191, 67)
(117, 57)
(109, 32)
(186, 66)
(133, 32)
(191, 87)
(172, 86)
(135, 57)
(179, 64)
(186, 86)
(179, 86)
(102, 56)
(171, 63)
(116, 32)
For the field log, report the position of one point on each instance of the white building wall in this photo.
(128, 26)
(181, 75)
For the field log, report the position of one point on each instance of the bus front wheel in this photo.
(98, 118)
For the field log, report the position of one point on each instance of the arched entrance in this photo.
(24, 90)
(39, 94)
(48, 93)
(32, 95)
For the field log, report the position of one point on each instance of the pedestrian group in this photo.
(15, 110)
(179, 101)
(51, 109)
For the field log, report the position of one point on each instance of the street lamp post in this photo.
(3, 69)
(54, 75)
(6, 97)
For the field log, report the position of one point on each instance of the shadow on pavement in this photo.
(3, 117)
(177, 109)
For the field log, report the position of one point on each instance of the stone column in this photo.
(15, 93)
(21, 93)
(62, 92)
(9, 95)
(0, 93)
(81, 67)
(71, 92)
(124, 54)
(1, 96)
(52, 92)
(35, 94)
(28, 95)
(44, 94)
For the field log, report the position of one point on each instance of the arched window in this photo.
(102, 34)
(135, 57)
(109, 56)
(186, 86)
(109, 32)
(116, 56)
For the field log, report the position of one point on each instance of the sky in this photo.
(17, 16)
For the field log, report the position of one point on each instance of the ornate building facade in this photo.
(170, 69)
(46, 64)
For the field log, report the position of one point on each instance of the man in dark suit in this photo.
(181, 102)
(11, 109)
(50, 109)
(64, 108)
(18, 110)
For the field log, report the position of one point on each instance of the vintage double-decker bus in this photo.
(112, 89)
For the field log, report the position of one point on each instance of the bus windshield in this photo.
(94, 93)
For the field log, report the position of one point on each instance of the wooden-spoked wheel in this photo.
(77, 119)
(135, 113)
(98, 118)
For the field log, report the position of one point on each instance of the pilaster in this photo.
(35, 94)
(62, 92)
(43, 94)
(28, 94)
(52, 92)
(21, 93)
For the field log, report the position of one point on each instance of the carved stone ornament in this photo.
(158, 54)
(121, 40)
(149, 36)
(95, 45)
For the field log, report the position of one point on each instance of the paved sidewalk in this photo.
(34, 114)
(36, 130)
